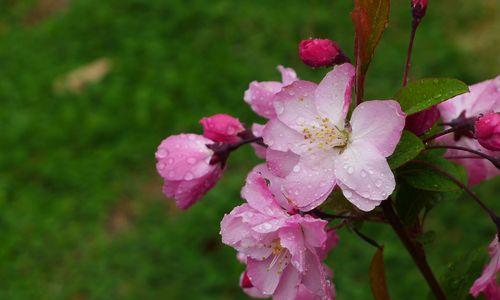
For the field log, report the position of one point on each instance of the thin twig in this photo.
(434, 136)
(366, 238)
(495, 161)
(491, 213)
(408, 55)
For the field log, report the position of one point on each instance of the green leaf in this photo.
(378, 282)
(461, 274)
(424, 93)
(410, 202)
(408, 148)
(423, 176)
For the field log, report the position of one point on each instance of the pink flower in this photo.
(260, 95)
(486, 284)
(420, 122)
(222, 128)
(184, 164)
(487, 131)
(483, 97)
(313, 149)
(321, 53)
(283, 251)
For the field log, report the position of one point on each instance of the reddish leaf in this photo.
(370, 18)
(377, 276)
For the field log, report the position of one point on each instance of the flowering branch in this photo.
(415, 249)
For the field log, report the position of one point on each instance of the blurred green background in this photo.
(81, 210)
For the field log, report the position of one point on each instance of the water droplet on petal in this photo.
(350, 170)
(191, 160)
(161, 166)
(296, 169)
(363, 173)
(378, 183)
(188, 176)
(162, 153)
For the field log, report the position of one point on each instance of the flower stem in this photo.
(494, 160)
(491, 213)
(366, 238)
(434, 136)
(416, 250)
(414, 27)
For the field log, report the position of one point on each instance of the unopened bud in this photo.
(418, 8)
(222, 128)
(321, 53)
(487, 131)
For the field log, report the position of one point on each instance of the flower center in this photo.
(325, 135)
(281, 257)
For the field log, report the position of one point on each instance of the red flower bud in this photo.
(418, 8)
(222, 128)
(321, 53)
(487, 131)
(422, 121)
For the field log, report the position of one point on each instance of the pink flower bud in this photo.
(321, 53)
(222, 128)
(487, 131)
(183, 161)
(422, 121)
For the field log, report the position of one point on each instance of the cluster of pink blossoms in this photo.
(314, 142)
(310, 149)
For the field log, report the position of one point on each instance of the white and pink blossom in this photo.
(313, 149)
(283, 251)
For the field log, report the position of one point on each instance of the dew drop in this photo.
(188, 176)
(350, 170)
(296, 169)
(161, 166)
(363, 173)
(162, 153)
(191, 160)
(378, 183)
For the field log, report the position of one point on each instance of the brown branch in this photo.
(416, 251)
(494, 160)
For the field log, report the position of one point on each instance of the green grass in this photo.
(81, 210)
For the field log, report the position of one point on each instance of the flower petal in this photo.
(288, 75)
(264, 274)
(361, 168)
(280, 137)
(333, 95)
(362, 203)
(289, 283)
(309, 183)
(379, 122)
(281, 163)
(258, 195)
(184, 157)
(295, 107)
